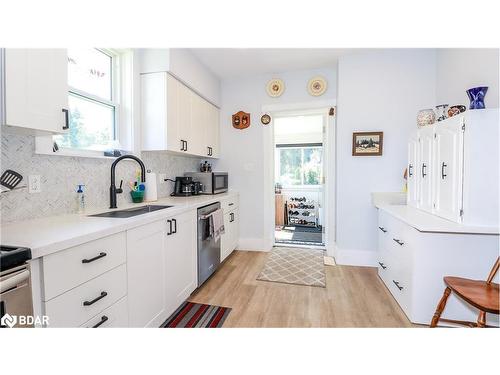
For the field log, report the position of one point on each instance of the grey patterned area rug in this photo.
(293, 265)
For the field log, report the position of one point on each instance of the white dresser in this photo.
(450, 225)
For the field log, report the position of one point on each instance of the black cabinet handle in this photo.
(169, 227)
(382, 229)
(104, 319)
(175, 225)
(410, 167)
(231, 216)
(443, 166)
(382, 265)
(101, 255)
(182, 145)
(231, 204)
(424, 167)
(66, 119)
(88, 303)
(398, 241)
(186, 148)
(397, 284)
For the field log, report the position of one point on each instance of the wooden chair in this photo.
(483, 295)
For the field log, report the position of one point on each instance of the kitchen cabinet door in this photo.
(449, 171)
(413, 177)
(146, 275)
(174, 133)
(181, 260)
(36, 89)
(185, 120)
(229, 239)
(426, 169)
(198, 125)
(212, 130)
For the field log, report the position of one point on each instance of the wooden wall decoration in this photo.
(241, 120)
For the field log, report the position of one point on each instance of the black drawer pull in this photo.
(101, 255)
(382, 229)
(397, 284)
(382, 265)
(399, 242)
(231, 204)
(66, 119)
(410, 167)
(443, 174)
(175, 225)
(169, 227)
(424, 166)
(104, 319)
(88, 303)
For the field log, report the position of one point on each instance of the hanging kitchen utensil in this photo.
(10, 179)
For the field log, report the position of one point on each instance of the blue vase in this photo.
(476, 97)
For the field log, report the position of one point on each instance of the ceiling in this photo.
(236, 62)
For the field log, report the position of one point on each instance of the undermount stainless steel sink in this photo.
(129, 212)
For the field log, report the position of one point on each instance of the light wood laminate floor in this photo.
(354, 297)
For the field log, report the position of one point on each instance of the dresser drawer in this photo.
(64, 270)
(115, 316)
(230, 203)
(78, 305)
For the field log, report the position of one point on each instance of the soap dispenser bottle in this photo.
(80, 199)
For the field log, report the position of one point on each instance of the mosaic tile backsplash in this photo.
(61, 174)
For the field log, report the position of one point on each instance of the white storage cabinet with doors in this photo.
(34, 90)
(229, 240)
(453, 168)
(176, 119)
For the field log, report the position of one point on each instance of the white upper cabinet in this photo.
(36, 90)
(449, 168)
(425, 169)
(176, 119)
(457, 168)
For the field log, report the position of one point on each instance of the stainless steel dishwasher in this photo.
(208, 247)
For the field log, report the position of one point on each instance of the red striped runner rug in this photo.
(197, 315)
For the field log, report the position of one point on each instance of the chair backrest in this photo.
(493, 272)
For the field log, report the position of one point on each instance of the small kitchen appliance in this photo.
(183, 187)
(213, 182)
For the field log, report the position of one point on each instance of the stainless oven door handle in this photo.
(14, 280)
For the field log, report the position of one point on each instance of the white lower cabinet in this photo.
(229, 239)
(146, 261)
(412, 265)
(115, 316)
(181, 271)
(78, 305)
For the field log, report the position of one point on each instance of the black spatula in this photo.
(10, 179)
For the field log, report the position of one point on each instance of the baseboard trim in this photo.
(254, 244)
(352, 257)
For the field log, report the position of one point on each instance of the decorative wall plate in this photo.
(316, 86)
(275, 87)
(241, 120)
(265, 119)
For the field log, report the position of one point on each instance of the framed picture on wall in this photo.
(367, 143)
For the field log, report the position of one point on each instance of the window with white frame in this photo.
(94, 100)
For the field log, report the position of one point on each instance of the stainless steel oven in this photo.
(208, 246)
(213, 182)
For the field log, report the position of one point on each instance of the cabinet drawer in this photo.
(230, 204)
(69, 268)
(78, 305)
(115, 316)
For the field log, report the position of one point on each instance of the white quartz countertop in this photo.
(425, 222)
(48, 235)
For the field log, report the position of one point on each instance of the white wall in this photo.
(377, 91)
(462, 69)
(183, 65)
(243, 152)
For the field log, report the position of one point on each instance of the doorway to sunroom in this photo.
(299, 177)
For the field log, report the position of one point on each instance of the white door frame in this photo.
(329, 151)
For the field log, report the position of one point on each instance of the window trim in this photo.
(125, 85)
